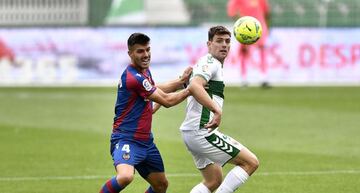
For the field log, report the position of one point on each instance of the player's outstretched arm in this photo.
(198, 91)
(168, 99)
(174, 85)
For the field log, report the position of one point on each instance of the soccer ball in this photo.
(247, 30)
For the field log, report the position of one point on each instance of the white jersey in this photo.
(211, 70)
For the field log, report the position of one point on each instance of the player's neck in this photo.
(220, 60)
(139, 69)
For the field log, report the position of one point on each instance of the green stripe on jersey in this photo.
(213, 88)
(221, 144)
(205, 114)
(216, 88)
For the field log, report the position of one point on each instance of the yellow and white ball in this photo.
(247, 30)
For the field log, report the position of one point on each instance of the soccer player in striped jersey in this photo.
(210, 148)
(132, 145)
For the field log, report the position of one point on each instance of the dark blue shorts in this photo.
(145, 158)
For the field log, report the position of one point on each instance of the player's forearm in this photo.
(171, 86)
(177, 84)
(173, 99)
(200, 94)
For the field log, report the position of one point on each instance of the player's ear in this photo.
(130, 50)
(208, 43)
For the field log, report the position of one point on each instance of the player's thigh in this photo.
(246, 159)
(245, 156)
(152, 164)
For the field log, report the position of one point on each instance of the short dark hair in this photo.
(137, 38)
(217, 30)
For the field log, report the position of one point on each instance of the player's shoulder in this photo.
(133, 75)
(208, 59)
(131, 78)
(139, 81)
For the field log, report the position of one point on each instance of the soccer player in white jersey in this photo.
(209, 147)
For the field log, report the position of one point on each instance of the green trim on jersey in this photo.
(205, 114)
(216, 88)
(221, 144)
(210, 59)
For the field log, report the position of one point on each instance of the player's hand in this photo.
(214, 123)
(184, 78)
(156, 106)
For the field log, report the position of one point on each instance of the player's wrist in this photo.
(182, 82)
(187, 92)
(217, 111)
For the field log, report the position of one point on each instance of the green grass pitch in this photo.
(56, 140)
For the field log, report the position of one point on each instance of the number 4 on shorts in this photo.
(126, 148)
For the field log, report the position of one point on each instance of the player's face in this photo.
(140, 56)
(219, 46)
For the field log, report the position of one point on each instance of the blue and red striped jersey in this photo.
(133, 111)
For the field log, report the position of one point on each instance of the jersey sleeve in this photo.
(141, 85)
(205, 68)
(146, 88)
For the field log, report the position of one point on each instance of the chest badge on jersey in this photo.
(205, 68)
(126, 156)
(147, 85)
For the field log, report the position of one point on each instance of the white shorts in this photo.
(207, 148)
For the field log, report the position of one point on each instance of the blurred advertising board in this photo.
(67, 56)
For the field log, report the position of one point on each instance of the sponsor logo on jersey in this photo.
(147, 85)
